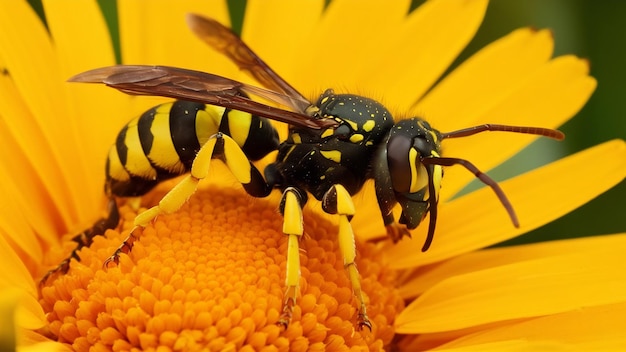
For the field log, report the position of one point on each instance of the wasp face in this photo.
(402, 177)
(409, 142)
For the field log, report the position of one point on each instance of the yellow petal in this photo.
(32, 73)
(274, 30)
(30, 341)
(34, 79)
(526, 289)
(22, 181)
(548, 97)
(16, 228)
(16, 285)
(484, 259)
(157, 33)
(590, 329)
(47, 346)
(367, 222)
(18, 277)
(477, 220)
(509, 346)
(83, 43)
(328, 58)
(26, 308)
(485, 78)
(410, 60)
(25, 180)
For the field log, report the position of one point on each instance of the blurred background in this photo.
(590, 29)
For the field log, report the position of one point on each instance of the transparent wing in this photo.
(225, 41)
(201, 87)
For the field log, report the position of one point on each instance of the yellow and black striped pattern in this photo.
(163, 142)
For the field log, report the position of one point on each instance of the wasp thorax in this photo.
(364, 121)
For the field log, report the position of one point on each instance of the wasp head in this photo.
(402, 177)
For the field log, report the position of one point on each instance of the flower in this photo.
(211, 274)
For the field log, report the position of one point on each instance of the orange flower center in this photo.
(212, 276)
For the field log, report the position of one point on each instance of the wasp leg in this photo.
(291, 207)
(219, 146)
(337, 200)
(397, 231)
(85, 238)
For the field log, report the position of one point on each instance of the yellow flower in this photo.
(211, 275)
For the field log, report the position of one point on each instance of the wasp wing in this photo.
(198, 86)
(226, 42)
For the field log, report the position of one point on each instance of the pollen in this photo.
(211, 277)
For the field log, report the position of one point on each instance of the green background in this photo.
(591, 29)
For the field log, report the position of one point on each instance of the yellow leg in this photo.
(218, 146)
(170, 203)
(291, 208)
(338, 201)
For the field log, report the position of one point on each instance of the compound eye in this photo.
(398, 150)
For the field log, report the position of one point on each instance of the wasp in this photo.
(333, 147)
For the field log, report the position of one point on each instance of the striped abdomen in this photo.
(163, 142)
